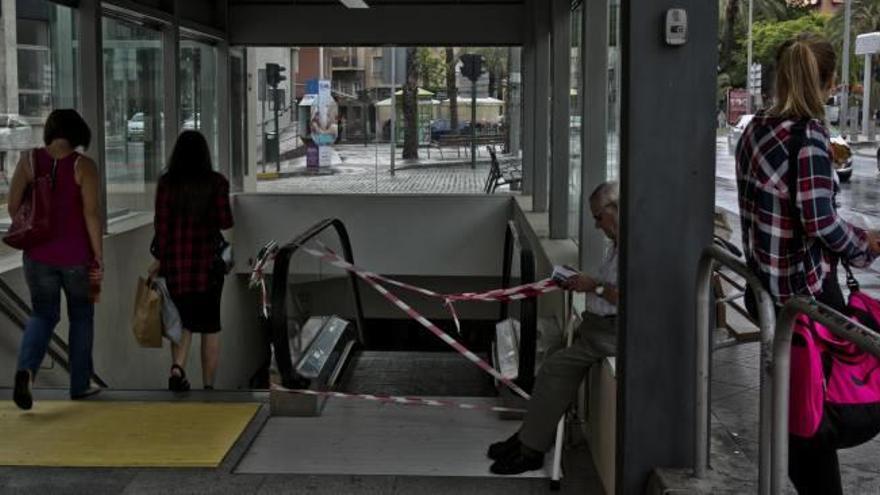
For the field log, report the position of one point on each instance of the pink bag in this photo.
(828, 370)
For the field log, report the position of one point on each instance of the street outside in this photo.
(859, 198)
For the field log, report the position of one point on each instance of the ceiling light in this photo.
(355, 4)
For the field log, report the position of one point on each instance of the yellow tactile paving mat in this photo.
(120, 434)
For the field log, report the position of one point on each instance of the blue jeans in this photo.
(46, 283)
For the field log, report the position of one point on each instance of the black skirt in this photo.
(200, 311)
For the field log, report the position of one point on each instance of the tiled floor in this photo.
(735, 410)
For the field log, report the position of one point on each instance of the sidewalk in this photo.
(353, 158)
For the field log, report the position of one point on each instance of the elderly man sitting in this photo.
(561, 375)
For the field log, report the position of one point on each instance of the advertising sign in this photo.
(323, 125)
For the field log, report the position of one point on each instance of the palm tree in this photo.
(451, 89)
(411, 106)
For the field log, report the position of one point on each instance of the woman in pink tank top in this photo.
(70, 260)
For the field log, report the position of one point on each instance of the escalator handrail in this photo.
(528, 307)
(18, 312)
(278, 318)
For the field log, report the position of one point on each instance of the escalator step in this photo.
(438, 374)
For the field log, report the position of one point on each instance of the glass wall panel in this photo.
(40, 49)
(613, 170)
(134, 120)
(198, 91)
(576, 128)
(366, 104)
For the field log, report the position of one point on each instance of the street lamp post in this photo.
(843, 115)
(749, 60)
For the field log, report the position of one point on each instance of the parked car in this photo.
(15, 133)
(736, 132)
(136, 127)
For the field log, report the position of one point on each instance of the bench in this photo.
(459, 141)
(510, 174)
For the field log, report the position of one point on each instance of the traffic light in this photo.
(471, 66)
(274, 74)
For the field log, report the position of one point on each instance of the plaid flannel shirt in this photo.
(787, 265)
(186, 246)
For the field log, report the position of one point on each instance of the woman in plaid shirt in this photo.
(192, 207)
(794, 244)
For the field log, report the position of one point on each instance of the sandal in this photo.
(178, 383)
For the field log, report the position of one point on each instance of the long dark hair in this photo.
(189, 175)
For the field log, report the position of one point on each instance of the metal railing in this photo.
(278, 317)
(712, 257)
(528, 306)
(838, 324)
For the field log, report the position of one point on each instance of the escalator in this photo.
(372, 396)
(393, 357)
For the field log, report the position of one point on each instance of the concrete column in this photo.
(594, 123)
(667, 191)
(542, 106)
(561, 120)
(528, 105)
(91, 67)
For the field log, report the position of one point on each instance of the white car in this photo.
(736, 132)
(136, 127)
(843, 157)
(15, 133)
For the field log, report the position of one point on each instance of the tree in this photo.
(768, 36)
(733, 31)
(411, 106)
(865, 19)
(451, 89)
(432, 69)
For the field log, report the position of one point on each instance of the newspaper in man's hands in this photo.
(561, 273)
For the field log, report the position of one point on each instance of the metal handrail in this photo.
(278, 317)
(838, 324)
(528, 306)
(712, 256)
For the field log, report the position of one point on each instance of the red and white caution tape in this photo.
(400, 400)
(497, 295)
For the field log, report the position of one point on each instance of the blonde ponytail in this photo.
(804, 72)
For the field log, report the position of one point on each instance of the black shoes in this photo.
(512, 457)
(22, 392)
(89, 392)
(518, 462)
(178, 382)
(500, 450)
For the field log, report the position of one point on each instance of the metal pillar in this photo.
(91, 63)
(866, 99)
(224, 130)
(594, 125)
(393, 127)
(542, 104)
(561, 115)
(514, 100)
(528, 105)
(171, 83)
(667, 198)
(843, 114)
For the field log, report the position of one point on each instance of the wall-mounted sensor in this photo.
(676, 27)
